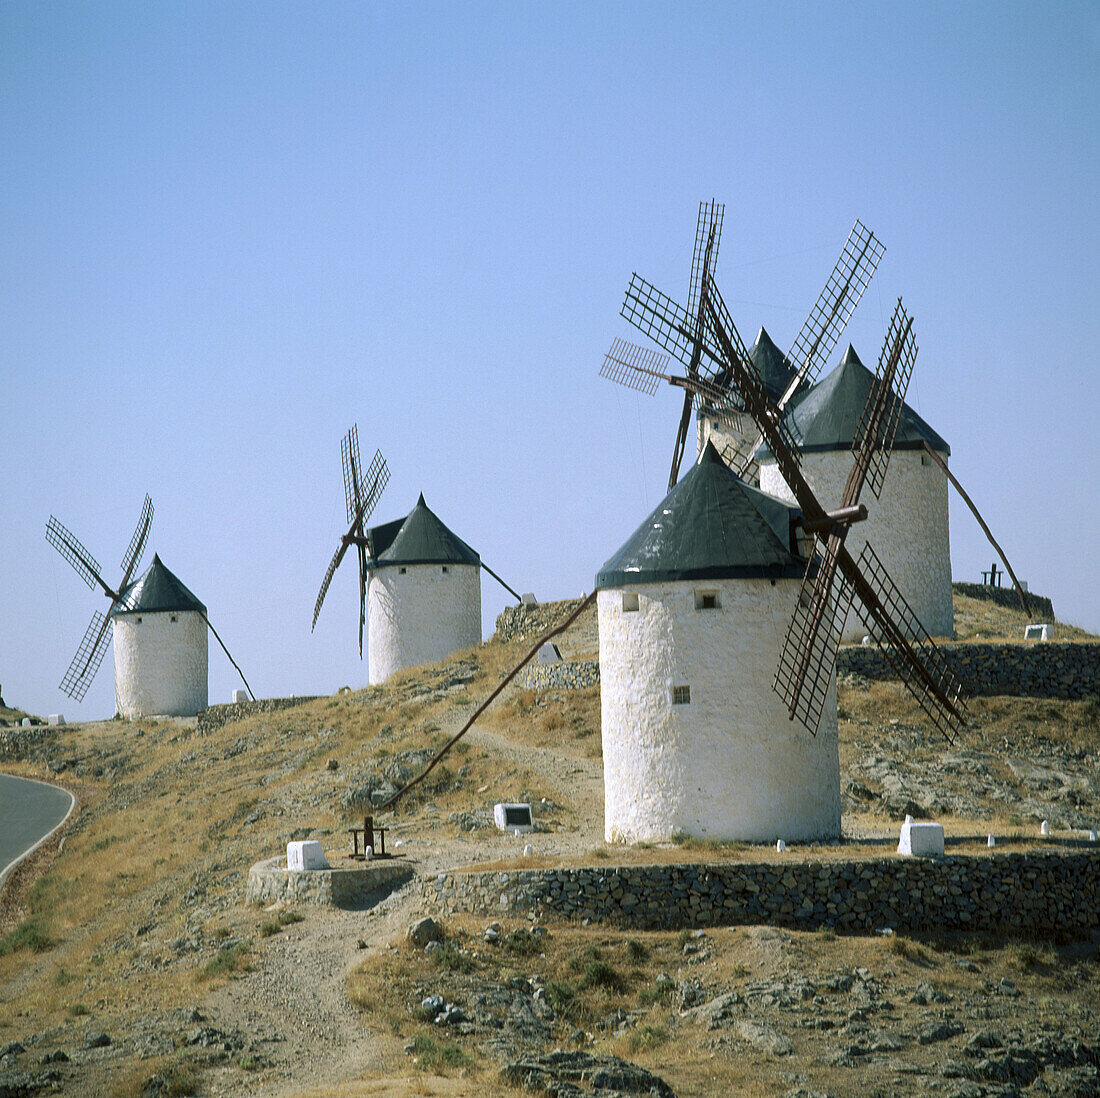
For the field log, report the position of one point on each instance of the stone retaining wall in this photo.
(215, 716)
(271, 881)
(567, 675)
(1039, 669)
(1042, 609)
(530, 622)
(1019, 892)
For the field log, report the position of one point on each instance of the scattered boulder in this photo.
(424, 931)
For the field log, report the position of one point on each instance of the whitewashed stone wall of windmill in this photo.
(420, 613)
(728, 764)
(161, 664)
(907, 528)
(733, 435)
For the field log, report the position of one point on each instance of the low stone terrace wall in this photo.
(567, 675)
(270, 881)
(1039, 669)
(1042, 609)
(215, 716)
(1013, 892)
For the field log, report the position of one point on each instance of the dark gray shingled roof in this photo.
(158, 590)
(712, 525)
(826, 416)
(418, 538)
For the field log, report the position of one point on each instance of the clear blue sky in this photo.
(232, 230)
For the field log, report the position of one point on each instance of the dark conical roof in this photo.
(712, 525)
(772, 365)
(418, 538)
(158, 590)
(826, 416)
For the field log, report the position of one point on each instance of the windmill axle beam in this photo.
(842, 516)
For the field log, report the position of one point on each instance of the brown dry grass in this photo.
(590, 972)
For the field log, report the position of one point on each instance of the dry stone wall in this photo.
(215, 716)
(567, 675)
(1008, 892)
(1042, 669)
(1042, 609)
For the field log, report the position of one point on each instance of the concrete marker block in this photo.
(306, 854)
(921, 840)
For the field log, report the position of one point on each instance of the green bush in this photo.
(29, 934)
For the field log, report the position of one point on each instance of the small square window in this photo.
(706, 600)
(137, 620)
(681, 695)
(174, 617)
(401, 571)
(444, 569)
(630, 602)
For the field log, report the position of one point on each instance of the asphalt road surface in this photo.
(28, 811)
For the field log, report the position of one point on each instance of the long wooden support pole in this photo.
(226, 651)
(981, 522)
(486, 703)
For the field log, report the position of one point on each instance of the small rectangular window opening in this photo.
(706, 600)
(681, 695)
(174, 617)
(444, 569)
(401, 571)
(630, 602)
(138, 620)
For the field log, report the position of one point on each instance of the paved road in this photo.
(28, 811)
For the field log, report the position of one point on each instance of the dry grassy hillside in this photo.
(134, 925)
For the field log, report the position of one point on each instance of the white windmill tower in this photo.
(159, 626)
(692, 611)
(161, 647)
(424, 593)
(419, 583)
(909, 523)
(674, 767)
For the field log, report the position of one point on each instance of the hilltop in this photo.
(134, 923)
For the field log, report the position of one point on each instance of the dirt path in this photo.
(293, 1007)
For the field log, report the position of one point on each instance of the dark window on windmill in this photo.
(706, 600)
(681, 695)
(444, 569)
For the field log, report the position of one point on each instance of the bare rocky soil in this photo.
(150, 976)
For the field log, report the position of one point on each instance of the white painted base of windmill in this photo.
(161, 664)
(727, 764)
(420, 613)
(907, 528)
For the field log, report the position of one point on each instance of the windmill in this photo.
(361, 495)
(97, 636)
(707, 382)
(709, 342)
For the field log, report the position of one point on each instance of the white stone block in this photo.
(1044, 827)
(1092, 834)
(990, 841)
(528, 850)
(1037, 632)
(57, 718)
(240, 695)
(921, 840)
(26, 722)
(528, 599)
(306, 854)
(780, 846)
(513, 817)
